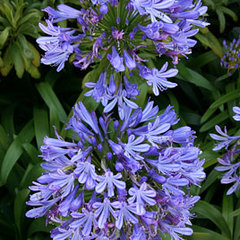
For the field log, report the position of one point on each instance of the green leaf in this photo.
(214, 121)
(17, 60)
(51, 100)
(201, 233)
(41, 126)
(7, 120)
(208, 39)
(237, 224)
(38, 225)
(211, 178)
(229, 12)
(221, 19)
(191, 117)
(31, 151)
(194, 77)
(209, 155)
(143, 94)
(4, 36)
(32, 172)
(7, 60)
(4, 143)
(20, 207)
(15, 150)
(210, 212)
(36, 55)
(225, 98)
(31, 17)
(207, 114)
(54, 121)
(19, 11)
(227, 208)
(203, 59)
(235, 213)
(4, 139)
(7, 9)
(173, 101)
(237, 229)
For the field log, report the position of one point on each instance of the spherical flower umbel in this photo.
(122, 35)
(125, 179)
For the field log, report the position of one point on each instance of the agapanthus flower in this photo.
(113, 180)
(122, 35)
(230, 163)
(231, 58)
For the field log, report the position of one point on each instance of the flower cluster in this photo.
(231, 59)
(126, 179)
(230, 161)
(123, 34)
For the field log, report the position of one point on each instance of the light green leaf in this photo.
(7, 61)
(4, 36)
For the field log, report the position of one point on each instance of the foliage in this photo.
(222, 8)
(18, 29)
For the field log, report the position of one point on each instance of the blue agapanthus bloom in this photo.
(118, 179)
(123, 34)
(230, 163)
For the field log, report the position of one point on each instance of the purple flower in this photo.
(236, 110)
(116, 60)
(85, 220)
(142, 195)
(117, 175)
(121, 45)
(64, 12)
(224, 139)
(86, 174)
(130, 63)
(109, 181)
(103, 211)
(126, 212)
(138, 233)
(59, 46)
(158, 79)
(134, 147)
(122, 101)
